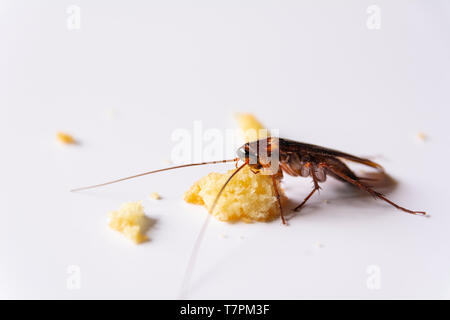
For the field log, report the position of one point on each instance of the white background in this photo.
(138, 70)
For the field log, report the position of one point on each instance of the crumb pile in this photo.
(248, 197)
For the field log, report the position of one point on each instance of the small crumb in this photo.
(168, 162)
(319, 245)
(242, 237)
(110, 113)
(130, 220)
(325, 201)
(65, 138)
(223, 236)
(155, 196)
(422, 137)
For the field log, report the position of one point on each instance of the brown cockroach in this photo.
(307, 160)
(295, 159)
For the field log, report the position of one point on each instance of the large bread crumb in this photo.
(248, 197)
(129, 220)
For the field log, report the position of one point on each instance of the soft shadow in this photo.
(344, 192)
(147, 223)
(379, 181)
(307, 209)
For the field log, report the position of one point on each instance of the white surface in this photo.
(313, 70)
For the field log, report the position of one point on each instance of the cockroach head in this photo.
(246, 154)
(256, 153)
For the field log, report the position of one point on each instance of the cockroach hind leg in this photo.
(366, 179)
(373, 192)
(382, 197)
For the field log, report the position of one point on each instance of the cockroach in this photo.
(295, 159)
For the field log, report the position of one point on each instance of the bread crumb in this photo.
(129, 220)
(155, 196)
(251, 128)
(421, 137)
(248, 197)
(65, 138)
(223, 236)
(319, 245)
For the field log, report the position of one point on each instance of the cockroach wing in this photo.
(305, 148)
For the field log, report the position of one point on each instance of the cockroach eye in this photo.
(241, 153)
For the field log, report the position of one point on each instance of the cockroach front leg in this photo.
(277, 193)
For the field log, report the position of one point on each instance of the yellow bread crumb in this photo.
(248, 197)
(251, 128)
(65, 138)
(129, 220)
(155, 196)
(422, 137)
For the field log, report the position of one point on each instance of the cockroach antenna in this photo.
(198, 242)
(154, 171)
